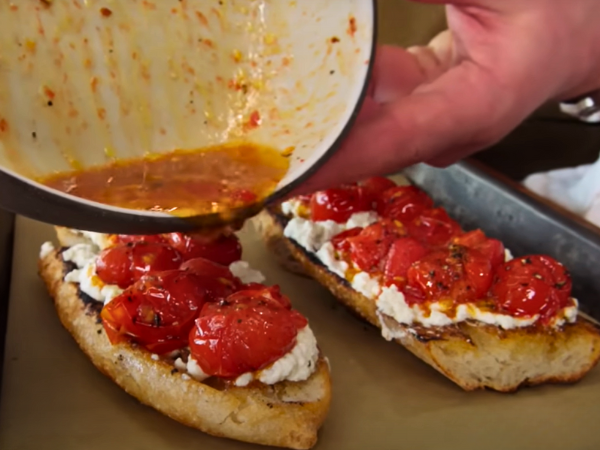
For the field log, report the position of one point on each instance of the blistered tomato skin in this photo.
(127, 238)
(270, 295)
(456, 273)
(403, 253)
(340, 241)
(124, 264)
(403, 203)
(218, 282)
(433, 227)
(477, 240)
(245, 333)
(338, 204)
(157, 312)
(368, 250)
(221, 249)
(206, 267)
(374, 187)
(531, 285)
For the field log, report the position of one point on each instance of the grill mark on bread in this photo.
(92, 306)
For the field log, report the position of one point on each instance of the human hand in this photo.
(497, 63)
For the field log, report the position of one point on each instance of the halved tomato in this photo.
(157, 312)
(218, 280)
(338, 204)
(368, 250)
(130, 238)
(532, 285)
(403, 203)
(123, 264)
(374, 187)
(340, 241)
(477, 240)
(268, 294)
(457, 273)
(245, 333)
(223, 249)
(206, 267)
(433, 227)
(403, 253)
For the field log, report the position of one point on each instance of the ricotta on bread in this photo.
(472, 341)
(282, 404)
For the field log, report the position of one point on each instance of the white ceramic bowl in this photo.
(84, 81)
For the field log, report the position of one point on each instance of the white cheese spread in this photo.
(366, 285)
(245, 273)
(362, 220)
(392, 303)
(80, 254)
(312, 235)
(296, 365)
(328, 257)
(47, 248)
(84, 258)
(195, 370)
(315, 237)
(292, 207)
(100, 240)
(91, 284)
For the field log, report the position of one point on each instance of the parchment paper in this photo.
(384, 398)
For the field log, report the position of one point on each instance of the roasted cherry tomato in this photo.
(265, 294)
(206, 267)
(433, 227)
(491, 248)
(157, 312)
(218, 280)
(457, 273)
(130, 238)
(369, 249)
(532, 285)
(222, 249)
(338, 204)
(403, 203)
(123, 264)
(403, 253)
(374, 187)
(340, 241)
(245, 333)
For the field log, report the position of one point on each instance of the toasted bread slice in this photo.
(472, 354)
(287, 414)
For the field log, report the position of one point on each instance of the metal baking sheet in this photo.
(383, 397)
(478, 197)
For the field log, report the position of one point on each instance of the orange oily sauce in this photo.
(182, 183)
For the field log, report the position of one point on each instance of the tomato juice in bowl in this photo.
(145, 90)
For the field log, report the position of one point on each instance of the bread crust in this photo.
(471, 354)
(287, 414)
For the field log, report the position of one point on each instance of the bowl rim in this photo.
(327, 154)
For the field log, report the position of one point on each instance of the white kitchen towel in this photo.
(575, 188)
